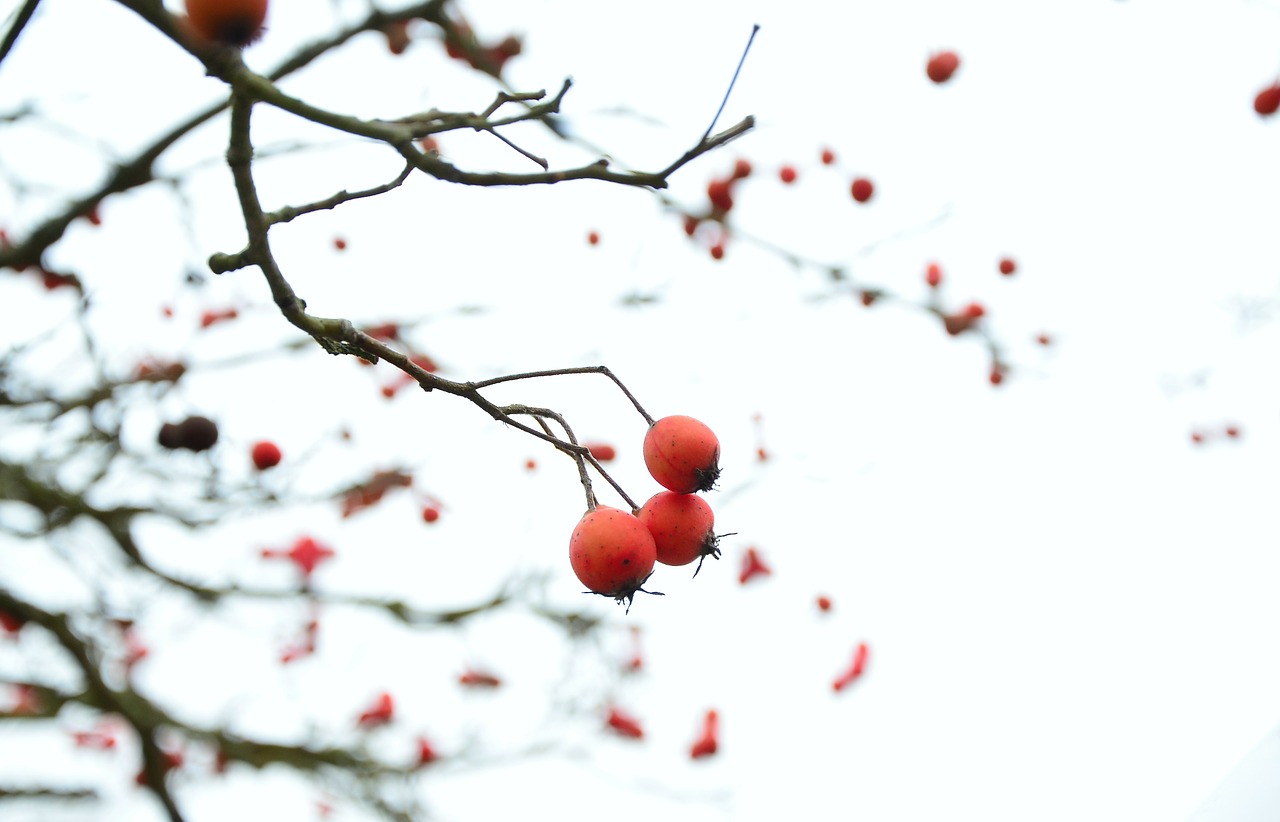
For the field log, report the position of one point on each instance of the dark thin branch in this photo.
(734, 81)
(284, 215)
(20, 21)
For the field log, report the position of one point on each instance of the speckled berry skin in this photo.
(682, 454)
(682, 527)
(612, 552)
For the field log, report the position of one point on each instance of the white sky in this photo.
(1071, 609)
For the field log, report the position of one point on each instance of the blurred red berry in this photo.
(624, 724)
(1268, 100)
(720, 195)
(717, 251)
(787, 174)
(854, 671)
(824, 603)
(752, 566)
(471, 678)
(741, 168)
(1008, 266)
(379, 713)
(862, 189)
(708, 742)
(828, 156)
(933, 275)
(593, 238)
(426, 753)
(602, 451)
(266, 455)
(430, 513)
(942, 65)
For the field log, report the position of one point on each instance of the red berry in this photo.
(787, 174)
(708, 742)
(1044, 339)
(824, 603)
(1008, 266)
(612, 552)
(379, 713)
(602, 451)
(1268, 100)
(1197, 437)
(237, 22)
(752, 566)
(430, 513)
(720, 195)
(717, 251)
(862, 189)
(266, 455)
(997, 375)
(426, 753)
(471, 678)
(828, 156)
(593, 238)
(691, 224)
(855, 669)
(1232, 431)
(741, 168)
(942, 65)
(624, 724)
(933, 275)
(340, 243)
(11, 624)
(682, 454)
(682, 527)
(974, 311)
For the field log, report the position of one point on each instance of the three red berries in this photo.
(613, 552)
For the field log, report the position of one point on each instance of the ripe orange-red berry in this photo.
(824, 603)
(717, 251)
(612, 552)
(787, 174)
(933, 275)
(828, 156)
(430, 513)
(862, 189)
(741, 168)
(593, 238)
(682, 527)
(682, 454)
(1008, 266)
(265, 455)
(236, 22)
(942, 65)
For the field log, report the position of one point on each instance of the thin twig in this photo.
(755, 28)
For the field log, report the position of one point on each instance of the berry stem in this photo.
(580, 453)
(560, 372)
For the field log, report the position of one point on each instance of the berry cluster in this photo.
(613, 552)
